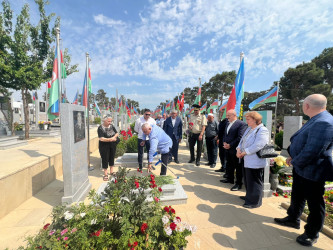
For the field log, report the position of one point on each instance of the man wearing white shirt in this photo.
(138, 128)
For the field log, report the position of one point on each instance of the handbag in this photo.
(118, 140)
(267, 151)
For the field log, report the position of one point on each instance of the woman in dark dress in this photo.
(107, 145)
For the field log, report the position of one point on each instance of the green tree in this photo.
(101, 98)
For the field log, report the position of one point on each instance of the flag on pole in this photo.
(237, 92)
(98, 111)
(167, 106)
(34, 96)
(76, 98)
(172, 105)
(181, 107)
(203, 108)
(135, 111)
(198, 98)
(214, 105)
(63, 68)
(223, 106)
(120, 103)
(267, 98)
(163, 110)
(53, 110)
(128, 110)
(89, 82)
(191, 111)
(84, 96)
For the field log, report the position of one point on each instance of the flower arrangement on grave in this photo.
(277, 164)
(124, 219)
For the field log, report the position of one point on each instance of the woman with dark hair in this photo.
(255, 137)
(108, 135)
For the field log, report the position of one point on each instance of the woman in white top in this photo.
(254, 139)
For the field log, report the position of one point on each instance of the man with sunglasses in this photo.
(146, 118)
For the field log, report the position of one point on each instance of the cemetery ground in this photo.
(217, 212)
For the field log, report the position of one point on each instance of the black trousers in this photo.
(194, 138)
(107, 151)
(253, 180)
(140, 151)
(222, 155)
(164, 164)
(211, 149)
(234, 163)
(174, 149)
(312, 192)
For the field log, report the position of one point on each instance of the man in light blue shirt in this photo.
(159, 141)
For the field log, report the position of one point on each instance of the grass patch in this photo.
(163, 180)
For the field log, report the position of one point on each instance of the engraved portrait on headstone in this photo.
(79, 126)
(41, 106)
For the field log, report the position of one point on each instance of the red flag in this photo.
(181, 107)
(232, 99)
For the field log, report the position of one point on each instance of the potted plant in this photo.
(48, 124)
(41, 125)
(276, 165)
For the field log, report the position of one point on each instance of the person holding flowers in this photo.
(311, 157)
(255, 137)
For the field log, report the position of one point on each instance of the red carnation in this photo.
(166, 209)
(135, 243)
(115, 181)
(173, 226)
(160, 189)
(46, 226)
(129, 244)
(156, 199)
(152, 177)
(178, 218)
(144, 227)
(285, 196)
(98, 233)
(137, 184)
(173, 211)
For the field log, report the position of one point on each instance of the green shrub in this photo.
(279, 139)
(132, 127)
(18, 127)
(97, 120)
(121, 148)
(132, 144)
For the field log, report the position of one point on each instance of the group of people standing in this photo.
(238, 142)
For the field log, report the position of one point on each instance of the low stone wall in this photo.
(17, 187)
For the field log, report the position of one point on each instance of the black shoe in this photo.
(242, 197)
(208, 164)
(219, 170)
(212, 166)
(225, 176)
(176, 161)
(249, 206)
(226, 181)
(190, 161)
(197, 163)
(287, 222)
(236, 187)
(305, 240)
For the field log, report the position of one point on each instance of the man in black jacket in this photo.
(233, 134)
(222, 127)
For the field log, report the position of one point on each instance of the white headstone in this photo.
(291, 125)
(74, 153)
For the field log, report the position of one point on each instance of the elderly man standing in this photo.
(138, 124)
(211, 140)
(159, 141)
(233, 134)
(311, 157)
(197, 126)
(173, 127)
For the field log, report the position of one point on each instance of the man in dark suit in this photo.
(220, 134)
(311, 157)
(173, 127)
(232, 136)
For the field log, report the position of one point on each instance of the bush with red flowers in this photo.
(122, 218)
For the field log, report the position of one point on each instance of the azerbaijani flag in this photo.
(53, 110)
(135, 111)
(128, 109)
(203, 108)
(120, 101)
(84, 96)
(181, 105)
(98, 111)
(223, 106)
(271, 96)
(237, 92)
(198, 98)
(191, 111)
(75, 101)
(163, 111)
(214, 105)
(63, 68)
(167, 106)
(34, 96)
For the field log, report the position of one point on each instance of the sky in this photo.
(151, 50)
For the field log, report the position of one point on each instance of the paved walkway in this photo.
(217, 212)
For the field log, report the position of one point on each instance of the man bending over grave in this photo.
(160, 141)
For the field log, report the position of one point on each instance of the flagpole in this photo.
(275, 118)
(59, 70)
(88, 105)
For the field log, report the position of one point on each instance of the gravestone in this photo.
(74, 153)
(291, 125)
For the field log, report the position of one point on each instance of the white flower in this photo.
(193, 228)
(68, 215)
(176, 220)
(82, 214)
(180, 227)
(165, 219)
(168, 231)
(93, 221)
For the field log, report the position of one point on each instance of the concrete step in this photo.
(12, 144)
(6, 139)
